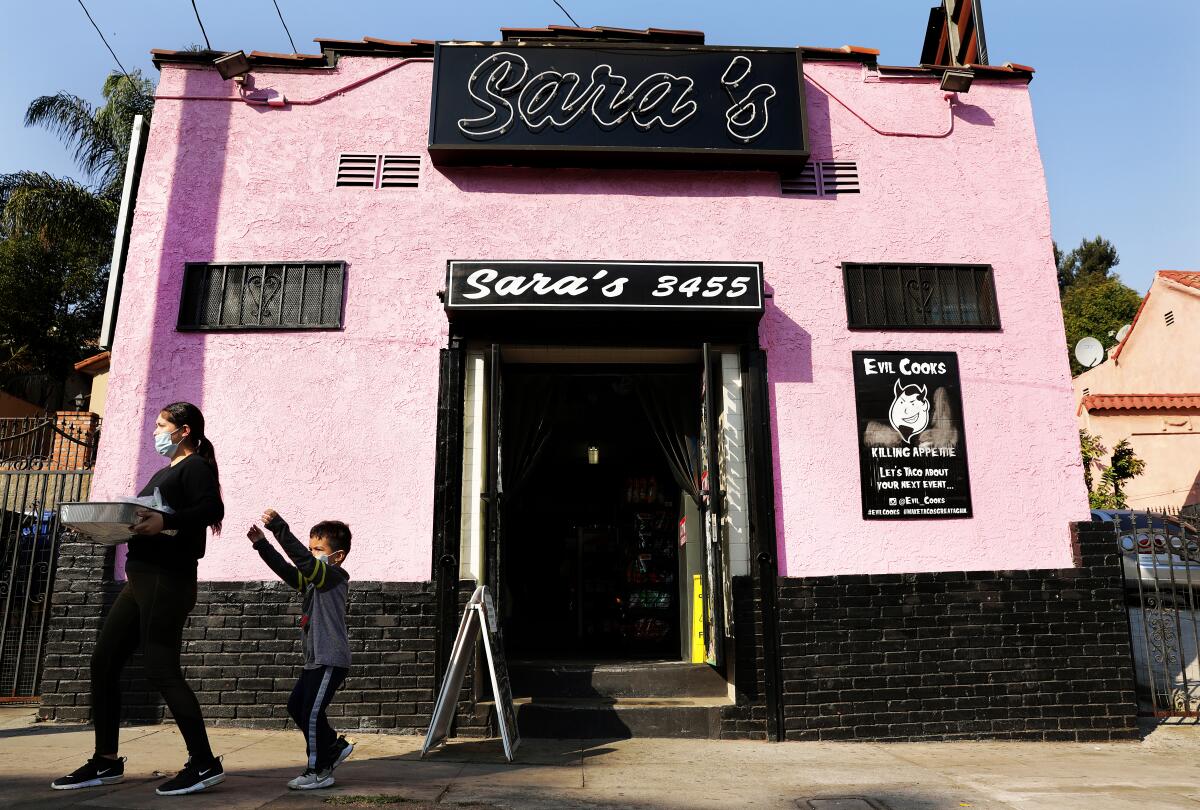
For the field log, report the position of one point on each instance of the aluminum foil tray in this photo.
(104, 522)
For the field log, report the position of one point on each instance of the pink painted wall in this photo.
(341, 424)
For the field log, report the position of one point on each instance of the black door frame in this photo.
(760, 468)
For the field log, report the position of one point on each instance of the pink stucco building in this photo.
(614, 323)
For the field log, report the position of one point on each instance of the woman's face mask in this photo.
(163, 444)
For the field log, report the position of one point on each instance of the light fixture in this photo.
(593, 454)
(957, 81)
(79, 402)
(232, 65)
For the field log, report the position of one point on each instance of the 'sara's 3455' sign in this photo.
(585, 105)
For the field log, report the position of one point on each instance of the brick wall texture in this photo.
(1030, 655)
(242, 651)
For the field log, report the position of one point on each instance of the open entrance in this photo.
(600, 465)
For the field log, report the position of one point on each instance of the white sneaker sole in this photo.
(342, 757)
(324, 783)
(203, 784)
(104, 780)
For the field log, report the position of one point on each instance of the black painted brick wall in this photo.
(1031, 655)
(242, 651)
(747, 719)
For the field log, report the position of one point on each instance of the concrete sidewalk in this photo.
(1159, 773)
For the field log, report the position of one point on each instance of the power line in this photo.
(285, 28)
(128, 78)
(207, 44)
(569, 17)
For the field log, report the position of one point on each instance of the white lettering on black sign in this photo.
(912, 449)
(605, 285)
(582, 104)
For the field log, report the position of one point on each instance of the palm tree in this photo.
(56, 238)
(38, 202)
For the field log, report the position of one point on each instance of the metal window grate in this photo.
(1169, 317)
(274, 295)
(920, 296)
(378, 171)
(822, 179)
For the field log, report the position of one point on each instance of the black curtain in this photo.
(672, 406)
(531, 402)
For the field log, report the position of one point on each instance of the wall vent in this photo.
(1169, 317)
(1087, 391)
(400, 171)
(378, 171)
(826, 178)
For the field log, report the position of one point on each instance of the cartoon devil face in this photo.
(909, 413)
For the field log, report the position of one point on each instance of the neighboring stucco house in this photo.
(1148, 392)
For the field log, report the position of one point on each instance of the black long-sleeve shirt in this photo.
(325, 588)
(191, 489)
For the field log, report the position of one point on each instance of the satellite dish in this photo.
(1123, 332)
(1089, 352)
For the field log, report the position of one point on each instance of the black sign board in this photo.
(912, 448)
(536, 286)
(588, 105)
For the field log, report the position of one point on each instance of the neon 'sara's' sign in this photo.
(502, 85)
(582, 105)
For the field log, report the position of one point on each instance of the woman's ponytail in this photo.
(185, 413)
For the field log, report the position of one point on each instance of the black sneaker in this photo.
(98, 771)
(193, 778)
(340, 751)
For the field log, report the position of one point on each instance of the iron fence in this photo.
(44, 462)
(1160, 559)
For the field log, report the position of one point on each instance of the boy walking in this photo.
(318, 574)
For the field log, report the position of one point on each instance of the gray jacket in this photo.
(325, 588)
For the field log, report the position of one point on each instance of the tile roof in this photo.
(1139, 402)
(331, 49)
(96, 364)
(1188, 278)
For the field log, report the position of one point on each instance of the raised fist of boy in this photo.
(254, 533)
(268, 515)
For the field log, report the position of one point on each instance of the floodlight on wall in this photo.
(957, 81)
(232, 65)
(593, 454)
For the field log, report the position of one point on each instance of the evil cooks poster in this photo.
(911, 446)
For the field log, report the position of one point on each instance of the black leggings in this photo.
(310, 698)
(150, 612)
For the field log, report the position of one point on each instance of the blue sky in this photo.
(1115, 98)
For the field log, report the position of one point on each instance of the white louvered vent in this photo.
(378, 171)
(1087, 391)
(400, 171)
(1169, 317)
(357, 169)
(824, 178)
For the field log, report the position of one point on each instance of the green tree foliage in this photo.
(1095, 302)
(1093, 260)
(56, 233)
(1124, 465)
(1092, 451)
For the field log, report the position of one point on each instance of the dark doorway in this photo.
(591, 559)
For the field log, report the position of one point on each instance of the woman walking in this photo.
(153, 608)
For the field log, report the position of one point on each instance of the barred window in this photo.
(920, 296)
(255, 295)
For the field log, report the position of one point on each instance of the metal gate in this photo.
(44, 461)
(1160, 559)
